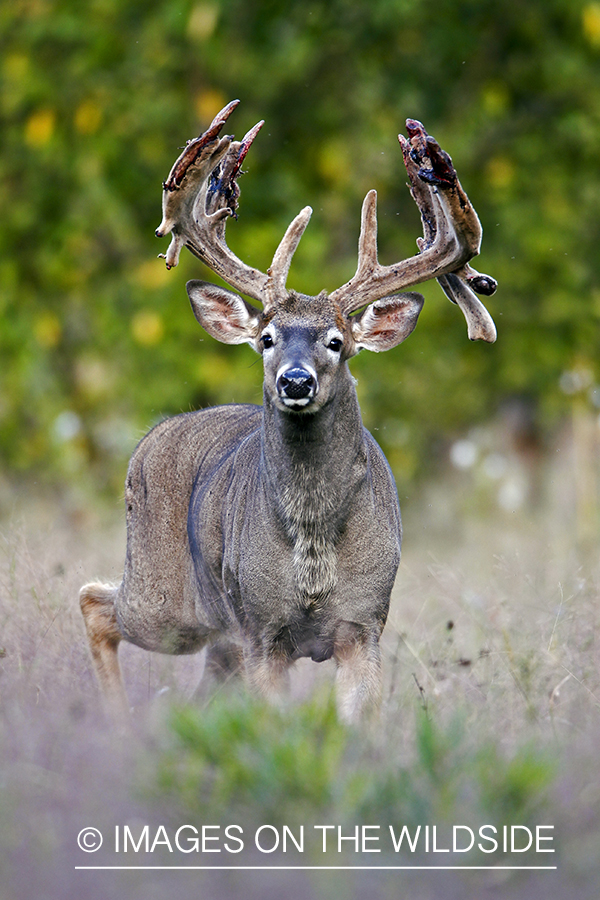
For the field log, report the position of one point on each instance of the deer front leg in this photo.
(358, 677)
(97, 603)
(267, 674)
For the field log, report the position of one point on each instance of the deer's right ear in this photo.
(225, 315)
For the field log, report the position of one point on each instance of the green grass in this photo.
(239, 760)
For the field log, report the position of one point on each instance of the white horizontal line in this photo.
(325, 868)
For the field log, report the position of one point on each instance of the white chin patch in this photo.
(303, 401)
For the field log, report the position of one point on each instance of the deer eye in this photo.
(335, 344)
(267, 341)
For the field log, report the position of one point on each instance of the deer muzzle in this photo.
(297, 386)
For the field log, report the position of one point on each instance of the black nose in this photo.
(296, 384)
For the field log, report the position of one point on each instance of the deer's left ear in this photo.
(386, 323)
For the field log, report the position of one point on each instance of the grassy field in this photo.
(491, 717)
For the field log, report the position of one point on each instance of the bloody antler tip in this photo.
(223, 114)
(245, 145)
(248, 138)
(413, 126)
(219, 120)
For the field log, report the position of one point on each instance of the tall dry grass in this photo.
(491, 710)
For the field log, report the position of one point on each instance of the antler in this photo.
(201, 193)
(451, 237)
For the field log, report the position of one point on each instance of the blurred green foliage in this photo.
(243, 756)
(97, 341)
(245, 761)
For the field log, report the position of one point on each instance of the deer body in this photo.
(273, 533)
(245, 527)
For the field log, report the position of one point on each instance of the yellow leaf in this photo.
(591, 23)
(152, 274)
(47, 330)
(208, 103)
(147, 327)
(88, 117)
(203, 21)
(39, 127)
(500, 172)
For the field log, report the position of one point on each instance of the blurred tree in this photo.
(97, 340)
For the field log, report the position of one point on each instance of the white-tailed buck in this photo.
(273, 533)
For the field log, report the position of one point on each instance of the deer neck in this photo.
(313, 464)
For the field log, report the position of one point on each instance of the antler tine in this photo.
(480, 325)
(349, 296)
(278, 271)
(367, 241)
(451, 237)
(200, 194)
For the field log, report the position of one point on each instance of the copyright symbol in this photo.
(89, 839)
